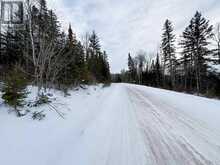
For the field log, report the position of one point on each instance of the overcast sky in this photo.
(130, 25)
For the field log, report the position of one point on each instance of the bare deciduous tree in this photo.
(216, 38)
(140, 61)
(48, 60)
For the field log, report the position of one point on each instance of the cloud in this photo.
(128, 25)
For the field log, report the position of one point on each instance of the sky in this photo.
(130, 25)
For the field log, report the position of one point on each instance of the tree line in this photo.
(43, 51)
(192, 69)
(39, 52)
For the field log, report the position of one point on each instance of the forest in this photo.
(38, 52)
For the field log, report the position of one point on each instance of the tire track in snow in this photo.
(111, 134)
(172, 137)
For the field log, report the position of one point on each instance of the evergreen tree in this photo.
(105, 68)
(168, 50)
(195, 43)
(62, 40)
(94, 43)
(187, 69)
(10, 52)
(43, 17)
(71, 38)
(158, 71)
(69, 74)
(81, 72)
(12, 44)
(132, 68)
(93, 59)
(54, 28)
(75, 72)
(14, 91)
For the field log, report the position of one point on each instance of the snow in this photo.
(217, 67)
(177, 128)
(118, 125)
(201, 108)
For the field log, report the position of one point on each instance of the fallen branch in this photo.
(56, 110)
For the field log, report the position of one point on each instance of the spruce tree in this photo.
(80, 62)
(75, 72)
(94, 43)
(195, 43)
(71, 37)
(158, 71)
(168, 50)
(12, 46)
(14, 90)
(93, 60)
(54, 33)
(105, 68)
(69, 75)
(132, 69)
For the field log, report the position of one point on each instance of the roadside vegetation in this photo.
(39, 53)
(192, 65)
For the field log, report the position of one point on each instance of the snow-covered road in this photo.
(171, 136)
(120, 125)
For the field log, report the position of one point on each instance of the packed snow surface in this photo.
(118, 125)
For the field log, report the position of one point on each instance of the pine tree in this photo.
(12, 46)
(80, 62)
(62, 40)
(186, 61)
(75, 72)
(71, 38)
(97, 61)
(195, 43)
(105, 68)
(69, 74)
(10, 52)
(158, 71)
(94, 43)
(54, 28)
(93, 59)
(14, 91)
(168, 50)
